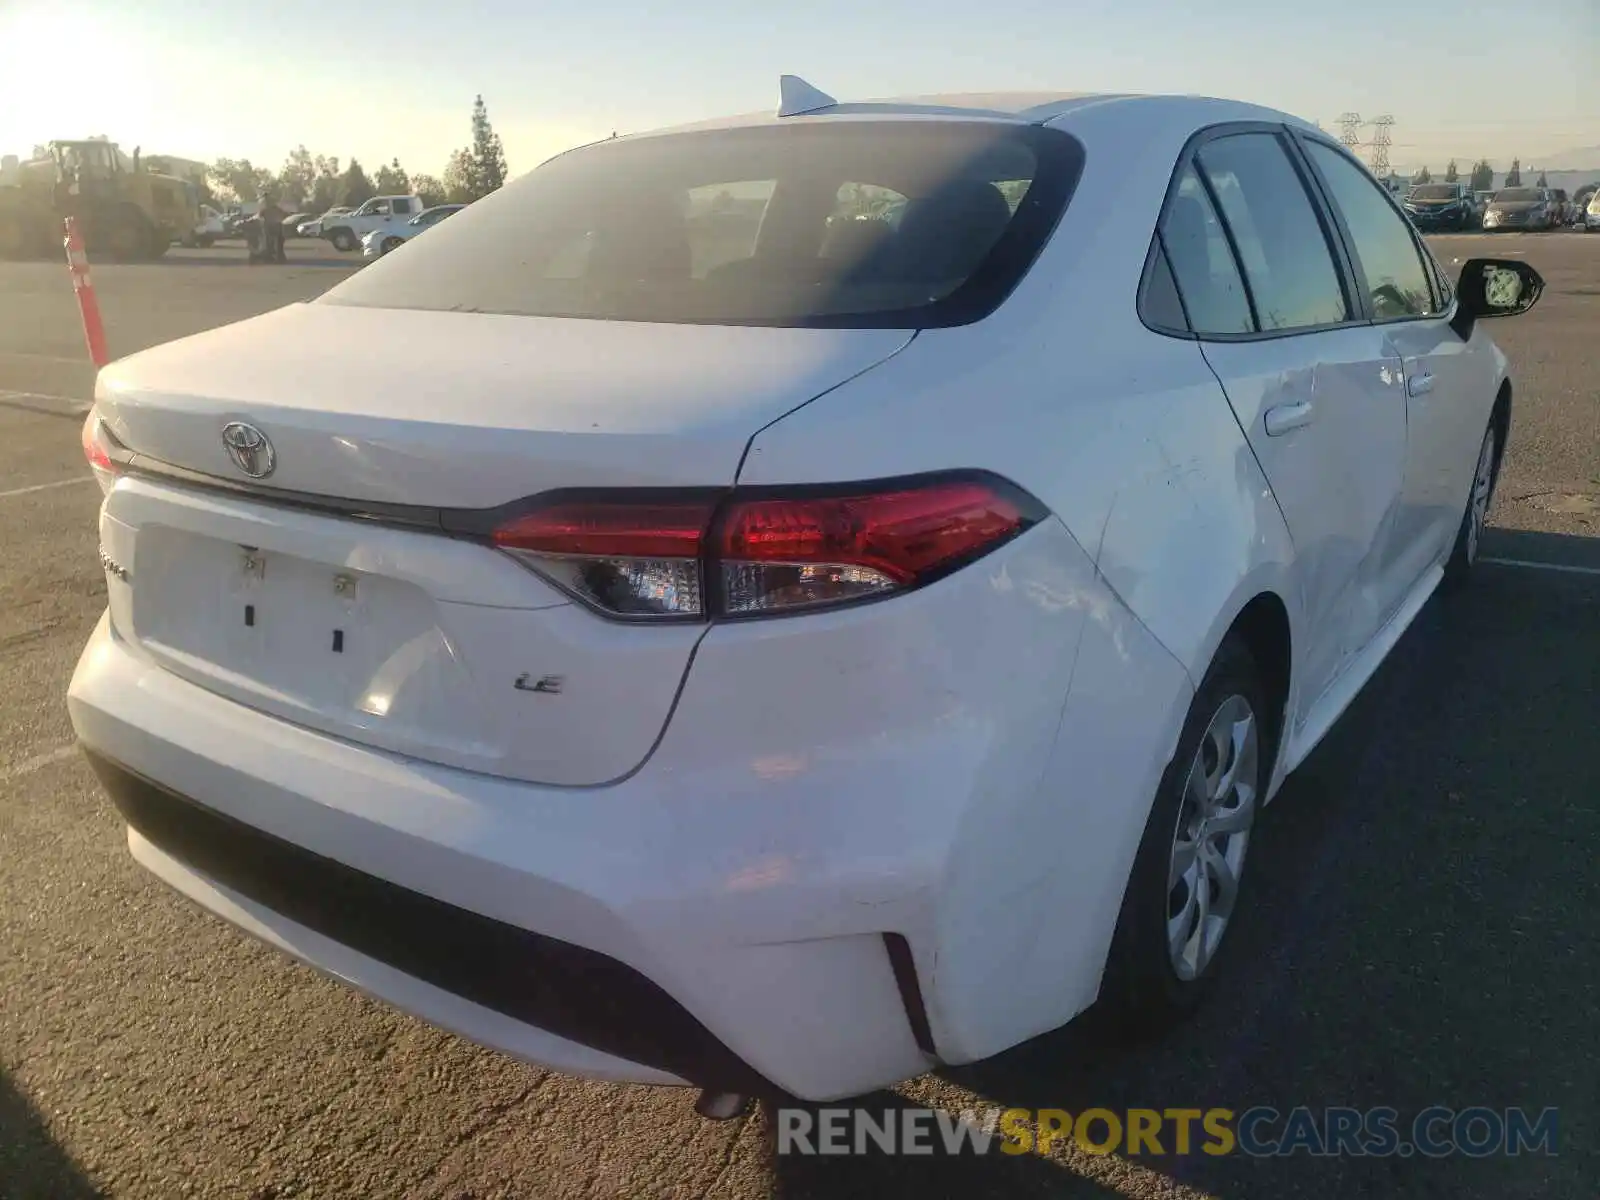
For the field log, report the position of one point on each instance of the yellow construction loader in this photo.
(126, 212)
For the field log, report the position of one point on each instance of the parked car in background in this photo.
(1442, 206)
(787, 676)
(211, 226)
(1591, 214)
(1521, 208)
(380, 241)
(292, 223)
(313, 227)
(345, 230)
(1562, 206)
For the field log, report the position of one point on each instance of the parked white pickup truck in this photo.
(345, 230)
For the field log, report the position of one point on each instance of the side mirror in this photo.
(1497, 287)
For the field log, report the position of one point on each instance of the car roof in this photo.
(800, 102)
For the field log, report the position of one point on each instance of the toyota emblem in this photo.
(249, 448)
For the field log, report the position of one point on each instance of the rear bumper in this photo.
(616, 1020)
(912, 850)
(427, 884)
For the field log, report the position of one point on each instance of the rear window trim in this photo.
(1344, 267)
(1061, 159)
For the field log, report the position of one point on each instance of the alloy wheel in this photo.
(1212, 836)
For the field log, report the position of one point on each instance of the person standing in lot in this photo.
(271, 217)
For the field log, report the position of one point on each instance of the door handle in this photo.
(1284, 417)
(1419, 385)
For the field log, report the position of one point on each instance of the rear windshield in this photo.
(1434, 191)
(1517, 195)
(900, 224)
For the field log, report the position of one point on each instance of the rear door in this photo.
(1447, 407)
(1316, 390)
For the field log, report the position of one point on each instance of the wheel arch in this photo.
(1263, 625)
(1500, 418)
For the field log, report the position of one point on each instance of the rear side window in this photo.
(1160, 305)
(1203, 265)
(889, 224)
(1396, 277)
(1287, 261)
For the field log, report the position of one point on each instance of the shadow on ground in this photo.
(1420, 933)
(348, 262)
(32, 1166)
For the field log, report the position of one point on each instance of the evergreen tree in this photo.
(325, 188)
(1451, 175)
(298, 179)
(488, 156)
(429, 188)
(392, 180)
(1483, 176)
(1514, 176)
(355, 188)
(458, 178)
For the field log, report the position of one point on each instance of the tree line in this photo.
(318, 182)
(1482, 176)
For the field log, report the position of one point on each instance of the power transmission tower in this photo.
(1350, 129)
(1381, 141)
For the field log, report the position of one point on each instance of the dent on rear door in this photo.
(1337, 475)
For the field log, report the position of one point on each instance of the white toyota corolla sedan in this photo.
(782, 604)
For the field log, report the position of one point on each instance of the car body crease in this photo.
(750, 443)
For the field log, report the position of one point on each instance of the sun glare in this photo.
(68, 71)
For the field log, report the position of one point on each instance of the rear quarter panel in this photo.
(1123, 433)
(1127, 437)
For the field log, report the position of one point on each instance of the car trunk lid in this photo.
(328, 594)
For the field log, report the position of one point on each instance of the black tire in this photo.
(205, 241)
(1142, 991)
(344, 240)
(392, 243)
(16, 237)
(1465, 552)
(127, 236)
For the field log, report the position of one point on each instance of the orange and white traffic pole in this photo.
(94, 330)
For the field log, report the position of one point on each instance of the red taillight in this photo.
(653, 529)
(633, 559)
(792, 553)
(94, 445)
(765, 553)
(98, 447)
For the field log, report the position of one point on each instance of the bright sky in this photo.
(1463, 78)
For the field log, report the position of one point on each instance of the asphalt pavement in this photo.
(1420, 933)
